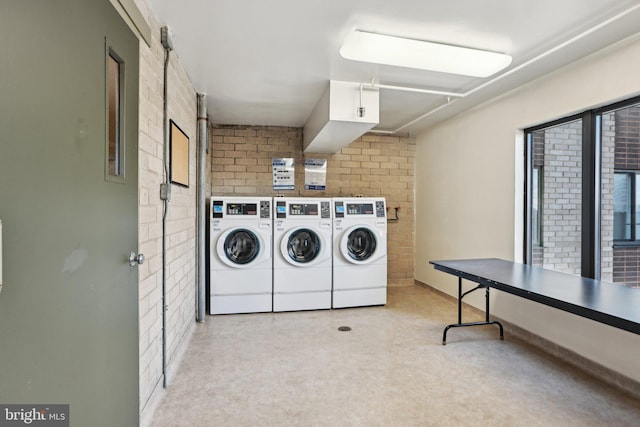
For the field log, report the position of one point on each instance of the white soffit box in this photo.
(334, 122)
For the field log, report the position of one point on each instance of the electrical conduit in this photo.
(203, 139)
(165, 196)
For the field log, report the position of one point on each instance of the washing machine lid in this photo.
(302, 246)
(239, 247)
(359, 244)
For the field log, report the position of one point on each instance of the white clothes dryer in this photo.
(240, 255)
(359, 252)
(302, 254)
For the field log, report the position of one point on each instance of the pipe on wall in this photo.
(203, 139)
(499, 77)
(165, 195)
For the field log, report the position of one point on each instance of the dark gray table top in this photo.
(609, 303)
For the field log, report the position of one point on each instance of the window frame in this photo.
(592, 185)
(120, 177)
(537, 225)
(634, 240)
(529, 240)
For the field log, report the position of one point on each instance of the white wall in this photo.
(469, 199)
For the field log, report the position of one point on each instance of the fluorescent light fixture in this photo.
(391, 50)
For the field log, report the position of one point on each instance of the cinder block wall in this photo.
(373, 165)
(181, 219)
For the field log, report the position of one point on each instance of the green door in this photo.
(68, 206)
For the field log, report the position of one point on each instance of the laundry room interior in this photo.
(240, 163)
(240, 213)
(453, 190)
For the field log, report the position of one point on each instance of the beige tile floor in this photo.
(298, 369)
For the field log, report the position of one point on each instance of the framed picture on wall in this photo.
(179, 147)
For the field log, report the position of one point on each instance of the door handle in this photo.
(135, 260)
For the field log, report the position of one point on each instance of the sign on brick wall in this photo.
(283, 174)
(315, 174)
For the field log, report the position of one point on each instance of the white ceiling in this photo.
(268, 62)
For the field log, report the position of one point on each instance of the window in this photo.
(536, 205)
(625, 218)
(583, 194)
(555, 215)
(620, 224)
(115, 117)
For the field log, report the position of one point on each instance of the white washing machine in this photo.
(240, 255)
(302, 253)
(359, 252)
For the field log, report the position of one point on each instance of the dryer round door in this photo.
(302, 247)
(239, 247)
(359, 245)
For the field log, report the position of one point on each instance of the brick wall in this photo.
(181, 218)
(607, 195)
(373, 165)
(537, 250)
(624, 136)
(627, 142)
(538, 148)
(626, 266)
(620, 149)
(562, 198)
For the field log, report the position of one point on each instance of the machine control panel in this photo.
(265, 209)
(242, 209)
(281, 209)
(325, 210)
(232, 209)
(360, 208)
(217, 209)
(369, 208)
(291, 209)
(380, 210)
(306, 209)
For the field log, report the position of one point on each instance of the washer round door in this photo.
(302, 247)
(359, 245)
(239, 247)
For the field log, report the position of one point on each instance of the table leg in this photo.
(487, 321)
